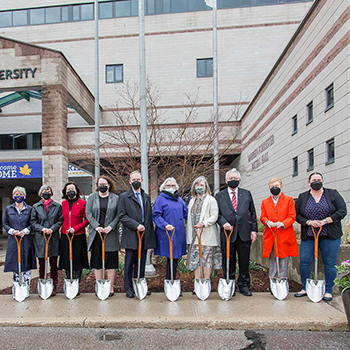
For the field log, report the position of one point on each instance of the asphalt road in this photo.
(93, 338)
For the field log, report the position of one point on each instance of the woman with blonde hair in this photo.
(278, 213)
(203, 213)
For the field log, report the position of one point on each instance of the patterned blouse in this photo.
(317, 211)
(197, 209)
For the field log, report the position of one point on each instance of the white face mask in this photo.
(171, 190)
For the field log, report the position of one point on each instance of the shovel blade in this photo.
(226, 289)
(279, 287)
(140, 287)
(103, 289)
(202, 288)
(71, 288)
(315, 289)
(172, 289)
(45, 288)
(20, 292)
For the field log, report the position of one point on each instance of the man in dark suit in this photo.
(236, 208)
(135, 213)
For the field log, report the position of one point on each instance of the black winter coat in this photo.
(130, 215)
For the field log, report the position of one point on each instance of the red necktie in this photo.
(234, 201)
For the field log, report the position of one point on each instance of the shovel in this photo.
(20, 290)
(45, 285)
(140, 284)
(279, 286)
(226, 287)
(202, 285)
(172, 288)
(102, 287)
(315, 289)
(71, 286)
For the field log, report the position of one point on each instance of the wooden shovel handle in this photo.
(316, 235)
(18, 248)
(275, 240)
(170, 241)
(103, 240)
(70, 240)
(199, 237)
(140, 236)
(228, 237)
(47, 240)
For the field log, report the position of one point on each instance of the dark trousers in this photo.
(168, 273)
(243, 251)
(131, 263)
(76, 274)
(53, 269)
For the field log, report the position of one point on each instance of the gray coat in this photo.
(53, 219)
(93, 216)
(130, 216)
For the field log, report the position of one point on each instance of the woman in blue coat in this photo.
(170, 212)
(16, 222)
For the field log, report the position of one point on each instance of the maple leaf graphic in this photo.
(25, 170)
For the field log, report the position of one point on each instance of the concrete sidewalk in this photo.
(259, 312)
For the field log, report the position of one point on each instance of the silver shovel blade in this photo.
(279, 287)
(172, 289)
(315, 289)
(226, 289)
(103, 289)
(71, 288)
(45, 288)
(20, 292)
(202, 288)
(140, 287)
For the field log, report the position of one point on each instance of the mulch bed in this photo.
(259, 278)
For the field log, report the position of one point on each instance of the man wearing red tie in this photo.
(236, 208)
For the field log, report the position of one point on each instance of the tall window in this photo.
(114, 73)
(310, 159)
(204, 67)
(294, 124)
(330, 97)
(295, 166)
(310, 112)
(330, 153)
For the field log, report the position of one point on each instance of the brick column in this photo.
(54, 138)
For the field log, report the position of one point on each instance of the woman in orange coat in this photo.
(278, 212)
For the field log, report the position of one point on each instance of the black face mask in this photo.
(71, 194)
(316, 185)
(233, 183)
(275, 190)
(136, 184)
(103, 188)
(46, 195)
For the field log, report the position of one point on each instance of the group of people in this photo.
(231, 210)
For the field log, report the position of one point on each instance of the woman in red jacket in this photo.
(278, 212)
(74, 222)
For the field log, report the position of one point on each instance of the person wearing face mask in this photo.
(203, 211)
(170, 212)
(236, 209)
(101, 212)
(16, 222)
(278, 212)
(74, 222)
(135, 214)
(46, 219)
(320, 208)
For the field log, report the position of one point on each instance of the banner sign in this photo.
(74, 171)
(21, 170)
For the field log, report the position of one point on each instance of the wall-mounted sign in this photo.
(259, 152)
(18, 73)
(74, 171)
(21, 170)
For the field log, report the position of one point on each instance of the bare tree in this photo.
(183, 148)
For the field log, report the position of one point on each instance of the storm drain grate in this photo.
(110, 336)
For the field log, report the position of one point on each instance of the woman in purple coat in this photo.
(170, 212)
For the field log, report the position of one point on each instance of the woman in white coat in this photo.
(203, 213)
